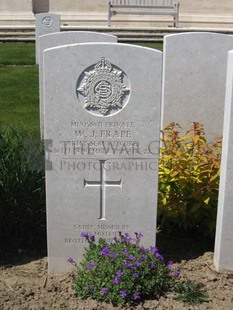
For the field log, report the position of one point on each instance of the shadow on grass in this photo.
(183, 246)
(176, 247)
(10, 257)
(36, 247)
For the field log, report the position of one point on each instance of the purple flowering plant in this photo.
(120, 271)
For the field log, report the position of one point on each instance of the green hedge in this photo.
(22, 191)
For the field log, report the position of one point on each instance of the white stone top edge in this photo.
(117, 27)
(195, 33)
(102, 43)
(60, 33)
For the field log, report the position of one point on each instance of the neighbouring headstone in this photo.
(223, 254)
(45, 23)
(194, 80)
(102, 118)
(64, 38)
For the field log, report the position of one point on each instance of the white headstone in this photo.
(102, 114)
(45, 23)
(194, 80)
(223, 255)
(64, 38)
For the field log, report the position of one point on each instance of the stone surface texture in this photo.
(194, 80)
(63, 38)
(102, 114)
(223, 256)
(45, 23)
(198, 13)
(205, 7)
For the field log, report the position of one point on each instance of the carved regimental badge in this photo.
(103, 88)
(47, 21)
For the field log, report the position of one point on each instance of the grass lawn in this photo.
(17, 53)
(157, 46)
(19, 96)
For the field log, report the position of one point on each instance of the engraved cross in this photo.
(102, 184)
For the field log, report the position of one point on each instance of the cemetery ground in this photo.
(24, 282)
(25, 285)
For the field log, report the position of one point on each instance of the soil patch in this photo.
(26, 286)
